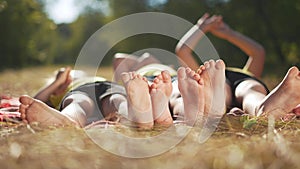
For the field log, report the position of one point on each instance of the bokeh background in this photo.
(50, 32)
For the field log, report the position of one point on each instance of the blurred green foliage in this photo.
(28, 37)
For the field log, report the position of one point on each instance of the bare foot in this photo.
(296, 110)
(63, 80)
(160, 93)
(284, 98)
(33, 110)
(191, 88)
(138, 99)
(213, 74)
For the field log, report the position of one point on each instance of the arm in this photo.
(253, 49)
(58, 86)
(217, 27)
(188, 42)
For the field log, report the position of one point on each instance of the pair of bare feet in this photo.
(148, 104)
(202, 93)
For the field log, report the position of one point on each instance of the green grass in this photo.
(238, 142)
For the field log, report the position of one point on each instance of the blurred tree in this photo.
(272, 23)
(78, 33)
(25, 32)
(28, 37)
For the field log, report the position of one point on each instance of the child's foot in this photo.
(213, 74)
(160, 93)
(138, 99)
(191, 88)
(63, 80)
(284, 98)
(33, 110)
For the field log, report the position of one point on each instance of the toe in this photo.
(220, 64)
(206, 65)
(125, 77)
(191, 73)
(181, 73)
(166, 77)
(212, 63)
(293, 72)
(196, 77)
(26, 100)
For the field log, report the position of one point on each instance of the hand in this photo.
(214, 25)
(207, 23)
(220, 28)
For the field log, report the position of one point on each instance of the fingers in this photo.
(203, 18)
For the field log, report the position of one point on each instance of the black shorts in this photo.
(234, 78)
(97, 91)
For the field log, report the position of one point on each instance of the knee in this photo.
(85, 102)
(249, 87)
(125, 61)
(147, 58)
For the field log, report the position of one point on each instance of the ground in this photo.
(238, 142)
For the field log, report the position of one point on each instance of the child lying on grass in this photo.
(244, 92)
(145, 104)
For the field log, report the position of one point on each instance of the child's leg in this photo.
(78, 107)
(123, 63)
(114, 107)
(144, 60)
(250, 93)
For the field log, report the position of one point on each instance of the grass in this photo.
(238, 142)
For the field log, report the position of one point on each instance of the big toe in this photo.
(293, 72)
(166, 76)
(26, 100)
(125, 77)
(181, 73)
(220, 64)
